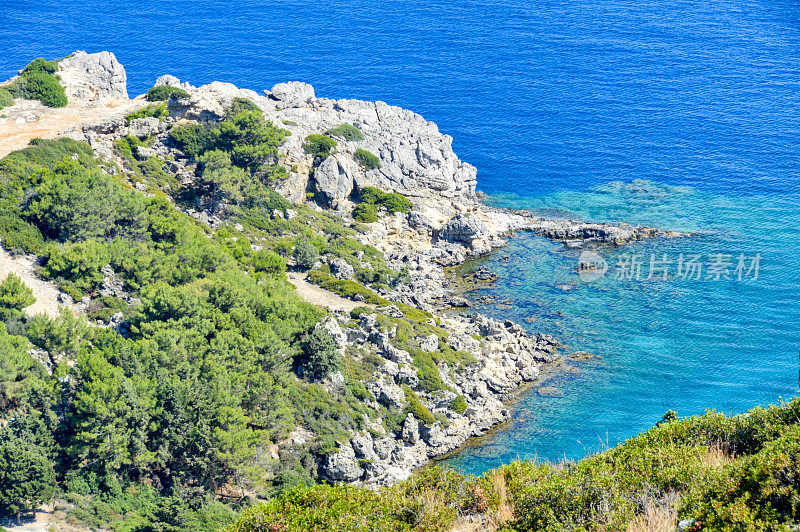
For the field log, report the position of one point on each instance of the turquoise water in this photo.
(681, 344)
(549, 100)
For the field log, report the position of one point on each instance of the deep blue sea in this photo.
(678, 114)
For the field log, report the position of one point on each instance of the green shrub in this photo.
(239, 105)
(346, 132)
(319, 146)
(458, 404)
(319, 356)
(163, 92)
(306, 254)
(40, 65)
(14, 295)
(193, 139)
(345, 288)
(416, 407)
(39, 85)
(391, 201)
(6, 99)
(269, 262)
(151, 111)
(365, 213)
(366, 159)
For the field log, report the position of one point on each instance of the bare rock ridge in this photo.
(93, 79)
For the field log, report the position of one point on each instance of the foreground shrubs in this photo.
(372, 199)
(681, 469)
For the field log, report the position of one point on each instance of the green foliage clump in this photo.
(27, 478)
(163, 92)
(151, 111)
(319, 356)
(416, 407)
(373, 198)
(458, 404)
(40, 65)
(14, 296)
(365, 213)
(320, 146)
(193, 138)
(306, 254)
(269, 262)
(239, 105)
(6, 99)
(38, 82)
(366, 159)
(346, 132)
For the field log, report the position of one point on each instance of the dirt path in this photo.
(319, 296)
(46, 293)
(27, 120)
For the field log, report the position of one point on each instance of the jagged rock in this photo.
(363, 446)
(410, 429)
(334, 180)
(43, 357)
(387, 392)
(292, 93)
(464, 229)
(337, 380)
(91, 80)
(341, 269)
(343, 465)
(391, 310)
(145, 127)
(429, 343)
(332, 327)
(384, 447)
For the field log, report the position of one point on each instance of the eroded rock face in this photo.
(91, 80)
(343, 465)
(292, 93)
(333, 180)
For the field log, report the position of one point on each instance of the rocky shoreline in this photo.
(447, 226)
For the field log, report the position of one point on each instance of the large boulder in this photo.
(92, 80)
(334, 180)
(292, 93)
(464, 229)
(343, 465)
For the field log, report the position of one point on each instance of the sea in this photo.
(675, 114)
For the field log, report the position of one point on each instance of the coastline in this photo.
(447, 226)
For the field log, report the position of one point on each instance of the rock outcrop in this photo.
(92, 80)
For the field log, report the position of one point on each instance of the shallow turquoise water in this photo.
(680, 344)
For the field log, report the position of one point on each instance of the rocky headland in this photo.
(446, 226)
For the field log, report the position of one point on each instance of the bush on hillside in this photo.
(41, 65)
(366, 159)
(38, 83)
(151, 111)
(346, 132)
(14, 296)
(6, 99)
(320, 146)
(320, 357)
(163, 92)
(365, 213)
(240, 105)
(306, 254)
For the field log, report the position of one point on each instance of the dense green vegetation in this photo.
(724, 473)
(38, 82)
(372, 199)
(245, 141)
(155, 110)
(163, 92)
(6, 99)
(366, 159)
(346, 132)
(320, 146)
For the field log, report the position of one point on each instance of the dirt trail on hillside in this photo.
(28, 119)
(315, 295)
(46, 293)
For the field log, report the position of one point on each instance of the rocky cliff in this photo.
(445, 226)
